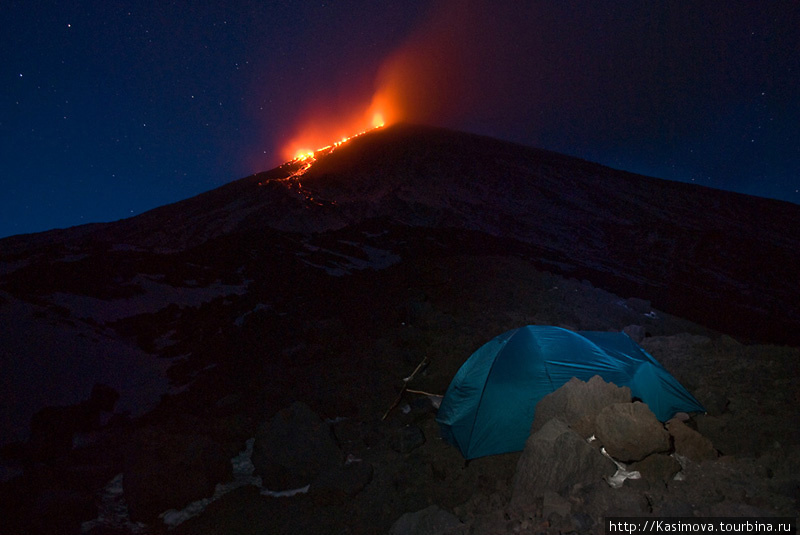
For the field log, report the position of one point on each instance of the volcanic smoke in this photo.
(446, 69)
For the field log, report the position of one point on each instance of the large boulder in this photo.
(61, 511)
(578, 403)
(657, 468)
(406, 438)
(53, 428)
(169, 471)
(599, 500)
(336, 486)
(293, 448)
(429, 521)
(689, 443)
(630, 431)
(556, 458)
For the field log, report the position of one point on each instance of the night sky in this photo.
(111, 108)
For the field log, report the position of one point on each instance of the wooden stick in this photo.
(419, 366)
(424, 393)
(396, 401)
(405, 386)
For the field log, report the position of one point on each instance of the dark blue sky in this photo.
(111, 108)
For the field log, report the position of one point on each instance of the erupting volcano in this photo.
(425, 80)
(301, 148)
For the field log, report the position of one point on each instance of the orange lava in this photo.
(429, 78)
(324, 134)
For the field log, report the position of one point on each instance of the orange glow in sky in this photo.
(421, 81)
(323, 132)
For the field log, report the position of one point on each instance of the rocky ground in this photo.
(309, 396)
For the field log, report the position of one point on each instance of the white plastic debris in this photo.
(286, 493)
(622, 473)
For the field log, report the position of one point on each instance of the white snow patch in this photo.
(243, 470)
(127, 247)
(112, 511)
(165, 340)
(48, 360)
(376, 259)
(286, 493)
(73, 257)
(156, 296)
(10, 267)
(259, 307)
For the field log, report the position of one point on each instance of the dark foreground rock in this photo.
(168, 471)
(429, 521)
(339, 484)
(556, 458)
(630, 431)
(294, 448)
(657, 468)
(578, 403)
(689, 443)
(54, 428)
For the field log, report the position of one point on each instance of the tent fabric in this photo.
(489, 406)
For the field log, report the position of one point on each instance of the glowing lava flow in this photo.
(304, 159)
(308, 157)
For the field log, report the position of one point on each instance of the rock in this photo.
(350, 432)
(103, 398)
(429, 521)
(630, 431)
(53, 428)
(737, 482)
(689, 442)
(243, 511)
(641, 306)
(657, 467)
(599, 500)
(62, 511)
(637, 333)
(732, 509)
(337, 485)
(169, 471)
(294, 448)
(489, 522)
(714, 400)
(578, 403)
(556, 458)
(582, 522)
(407, 438)
(554, 503)
(673, 508)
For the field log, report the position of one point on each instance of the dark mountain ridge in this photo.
(724, 259)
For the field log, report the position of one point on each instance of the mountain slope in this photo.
(724, 259)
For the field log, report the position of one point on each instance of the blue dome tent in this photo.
(489, 406)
